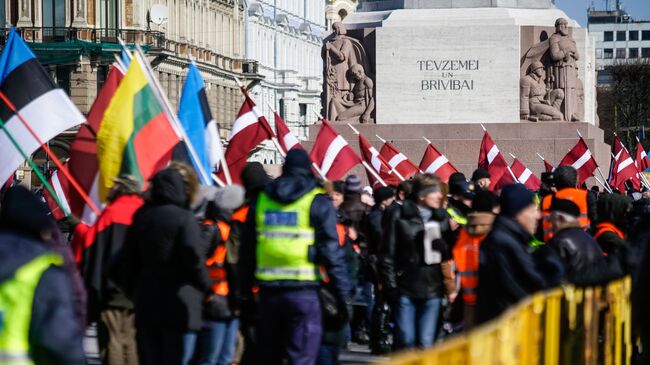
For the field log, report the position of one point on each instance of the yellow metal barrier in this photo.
(561, 326)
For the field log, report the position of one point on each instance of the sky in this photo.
(577, 9)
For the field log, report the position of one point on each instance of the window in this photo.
(633, 53)
(608, 53)
(634, 35)
(645, 52)
(620, 52)
(599, 53)
(108, 18)
(620, 35)
(53, 18)
(609, 36)
(645, 35)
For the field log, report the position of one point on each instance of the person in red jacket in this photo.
(107, 303)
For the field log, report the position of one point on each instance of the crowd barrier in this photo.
(567, 325)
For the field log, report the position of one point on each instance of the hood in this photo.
(479, 223)
(613, 208)
(297, 178)
(23, 213)
(168, 187)
(15, 251)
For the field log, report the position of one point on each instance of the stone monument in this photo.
(405, 69)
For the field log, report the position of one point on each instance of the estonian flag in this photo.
(45, 108)
(200, 128)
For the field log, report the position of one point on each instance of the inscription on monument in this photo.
(449, 75)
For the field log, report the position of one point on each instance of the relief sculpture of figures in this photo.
(564, 71)
(549, 87)
(348, 86)
(537, 101)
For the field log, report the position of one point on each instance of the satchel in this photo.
(333, 310)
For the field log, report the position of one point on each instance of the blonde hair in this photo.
(189, 178)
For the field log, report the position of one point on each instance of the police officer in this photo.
(291, 232)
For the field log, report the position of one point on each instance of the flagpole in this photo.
(601, 184)
(35, 169)
(373, 173)
(52, 156)
(647, 184)
(609, 188)
(176, 125)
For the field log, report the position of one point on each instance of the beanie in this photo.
(565, 206)
(254, 178)
(382, 193)
(514, 199)
(353, 184)
(480, 174)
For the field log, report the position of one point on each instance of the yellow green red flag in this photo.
(136, 136)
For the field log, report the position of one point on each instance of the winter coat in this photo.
(373, 228)
(577, 249)
(163, 266)
(55, 335)
(292, 185)
(612, 209)
(357, 211)
(403, 254)
(103, 245)
(507, 270)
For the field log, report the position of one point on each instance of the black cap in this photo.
(480, 174)
(382, 193)
(548, 178)
(462, 187)
(565, 206)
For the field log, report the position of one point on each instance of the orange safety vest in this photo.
(240, 214)
(466, 256)
(340, 232)
(601, 228)
(577, 196)
(215, 263)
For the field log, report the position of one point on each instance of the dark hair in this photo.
(484, 201)
(405, 187)
(565, 177)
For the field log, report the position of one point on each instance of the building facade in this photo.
(619, 39)
(76, 40)
(285, 38)
(338, 10)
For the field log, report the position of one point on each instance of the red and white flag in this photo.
(287, 140)
(398, 161)
(525, 176)
(83, 164)
(580, 158)
(623, 168)
(547, 165)
(491, 159)
(374, 159)
(249, 130)
(434, 162)
(333, 155)
(641, 161)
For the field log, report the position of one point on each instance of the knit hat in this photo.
(297, 161)
(480, 174)
(515, 198)
(382, 193)
(353, 184)
(484, 201)
(254, 178)
(565, 206)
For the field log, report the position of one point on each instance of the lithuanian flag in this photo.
(136, 135)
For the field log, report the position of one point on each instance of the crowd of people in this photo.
(292, 270)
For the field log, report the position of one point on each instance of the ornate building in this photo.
(338, 10)
(285, 37)
(77, 40)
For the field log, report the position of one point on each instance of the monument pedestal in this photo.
(461, 142)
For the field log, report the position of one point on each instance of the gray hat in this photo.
(353, 184)
(229, 197)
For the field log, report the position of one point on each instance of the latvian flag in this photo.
(374, 159)
(623, 168)
(641, 159)
(249, 129)
(83, 164)
(333, 155)
(434, 162)
(492, 160)
(200, 128)
(580, 158)
(525, 176)
(136, 136)
(547, 166)
(286, 139)
(45, 108)
(398, 161)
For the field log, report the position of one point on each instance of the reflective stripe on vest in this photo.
(601, 228)
(577, 196)
(284, 236)
(456, 216)
(16, 299)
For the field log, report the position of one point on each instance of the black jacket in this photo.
(402, 252)
(577, 249)
(507, 270)
(357, 211)
(373, 228)
(164, 259)
(293, 184)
